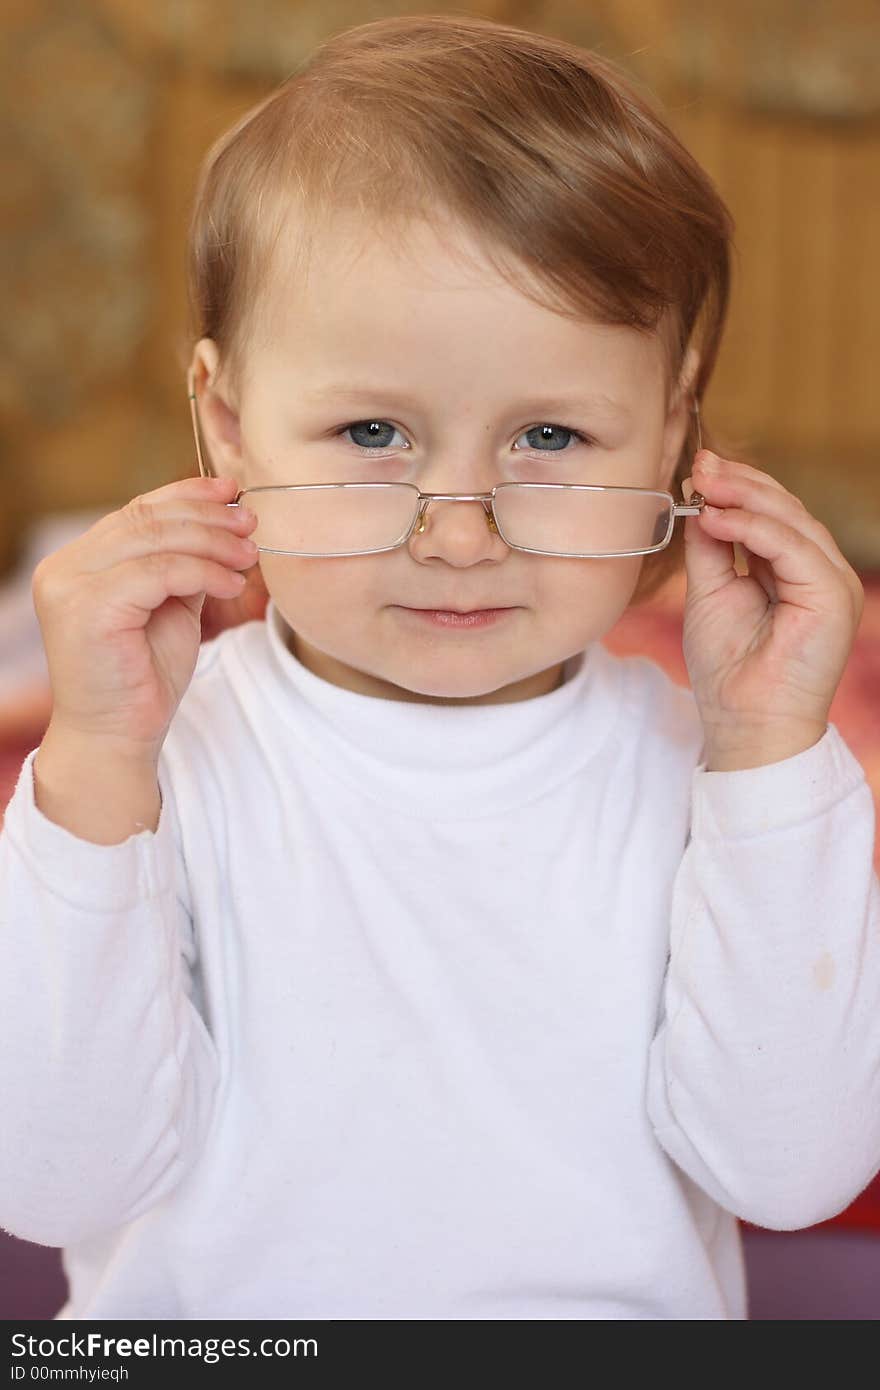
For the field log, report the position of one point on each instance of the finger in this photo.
(762, 571)
(137, 587)
(800, 567)
(710, 465)
(710, 560)
(236, 518)
(195, 489)
(732, 488)
(167, 503)
(138, 530)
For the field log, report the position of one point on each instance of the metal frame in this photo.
(690, 508)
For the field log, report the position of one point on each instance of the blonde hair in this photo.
(545, 151)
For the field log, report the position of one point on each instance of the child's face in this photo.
(474, 357)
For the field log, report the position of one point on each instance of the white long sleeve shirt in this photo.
(413, 1011)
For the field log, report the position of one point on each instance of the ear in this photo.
(218, 418)
(680, 420)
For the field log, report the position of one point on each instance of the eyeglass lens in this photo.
(350, 520)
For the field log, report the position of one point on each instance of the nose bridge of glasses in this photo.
(426, 498)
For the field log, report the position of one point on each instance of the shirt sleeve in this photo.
(107, 1070)
(764, 1073)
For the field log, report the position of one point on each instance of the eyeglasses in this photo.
(576, 520)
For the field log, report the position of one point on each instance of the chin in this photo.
(472, 684)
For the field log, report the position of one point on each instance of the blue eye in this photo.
(547, 429)
(376, 430)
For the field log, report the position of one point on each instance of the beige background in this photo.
(108, 105)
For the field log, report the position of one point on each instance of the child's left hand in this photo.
(764, 651)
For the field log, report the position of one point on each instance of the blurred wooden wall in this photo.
(110, 104)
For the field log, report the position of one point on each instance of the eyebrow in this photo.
(345, 391)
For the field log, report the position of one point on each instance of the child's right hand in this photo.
(119, 609)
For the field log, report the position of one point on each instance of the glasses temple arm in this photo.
(190, 382)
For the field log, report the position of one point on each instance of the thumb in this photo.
(708, 560)
(194, 602)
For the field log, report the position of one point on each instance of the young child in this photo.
(406, 955)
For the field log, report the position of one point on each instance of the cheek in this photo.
(333, 586)
(590, 585)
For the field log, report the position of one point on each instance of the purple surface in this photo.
(812, 1275)
(32, 1284)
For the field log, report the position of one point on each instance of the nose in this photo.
(456, 527)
